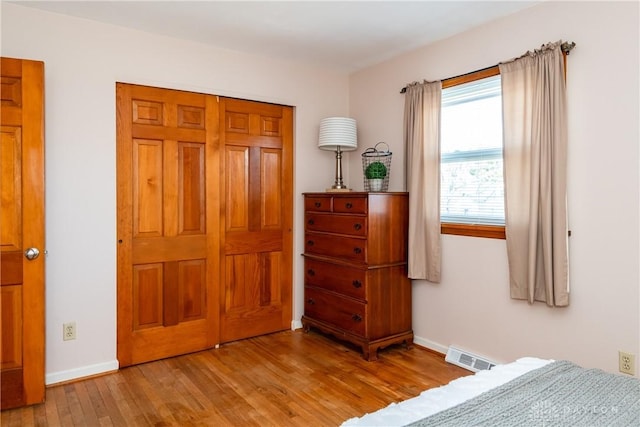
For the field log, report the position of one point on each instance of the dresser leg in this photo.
(305, 326)
(370, 353)
(366, 355)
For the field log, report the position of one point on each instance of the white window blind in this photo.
(471, 172)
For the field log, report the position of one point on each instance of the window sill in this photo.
(488, 231)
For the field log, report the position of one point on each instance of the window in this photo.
(471, 169)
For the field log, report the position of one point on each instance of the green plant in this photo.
(375, 170)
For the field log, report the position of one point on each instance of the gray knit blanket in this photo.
(558, 394)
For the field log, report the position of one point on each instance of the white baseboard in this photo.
(77, 373)
(432, 345)
(296, 324)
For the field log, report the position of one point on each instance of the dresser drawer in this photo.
(346, 248)
(337, 278)
(344, 313)
(317, 204)
(350, 205)
(341, 224)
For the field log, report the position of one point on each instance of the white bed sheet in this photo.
(438, 399)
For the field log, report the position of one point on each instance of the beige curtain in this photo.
(422, 143)
(535, 163)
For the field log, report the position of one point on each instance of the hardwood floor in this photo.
(284, 379)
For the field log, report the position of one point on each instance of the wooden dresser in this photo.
(356, 286)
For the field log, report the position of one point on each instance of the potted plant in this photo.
(375, 173)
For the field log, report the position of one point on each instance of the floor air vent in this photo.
(468, 360)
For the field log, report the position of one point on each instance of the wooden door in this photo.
(168, 222)
(256, 259)
(22, 228)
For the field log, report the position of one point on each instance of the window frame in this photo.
(472, 230)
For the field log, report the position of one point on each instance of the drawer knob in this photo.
(311, 222)
(356, 318)
(357, 226)
(357, 250)
(310, 272)
(348, 205)
(310, 242)
(311, 301)
(357, 284)
(317, 204)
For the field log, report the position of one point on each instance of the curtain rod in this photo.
(565, 47)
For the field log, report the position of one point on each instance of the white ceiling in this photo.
(345, 35)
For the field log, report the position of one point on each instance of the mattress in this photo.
(438, 399)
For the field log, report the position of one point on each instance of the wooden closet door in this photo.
(256, 259)
(168, 222)
(21, 229)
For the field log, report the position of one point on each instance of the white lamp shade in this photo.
(338, 132)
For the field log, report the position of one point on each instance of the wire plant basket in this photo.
(376, 167)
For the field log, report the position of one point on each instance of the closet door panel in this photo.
(257, 254)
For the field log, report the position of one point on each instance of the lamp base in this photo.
(338, 190)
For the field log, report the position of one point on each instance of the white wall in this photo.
(471, 308)
(83, 60)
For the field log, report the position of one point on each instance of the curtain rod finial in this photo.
(567, 46)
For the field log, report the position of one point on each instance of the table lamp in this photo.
(338, 134)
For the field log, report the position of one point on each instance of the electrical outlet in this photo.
(69, 331)
(627, 363)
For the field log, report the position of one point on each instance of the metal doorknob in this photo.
(32, 253)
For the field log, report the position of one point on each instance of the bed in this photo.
(527, 392)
